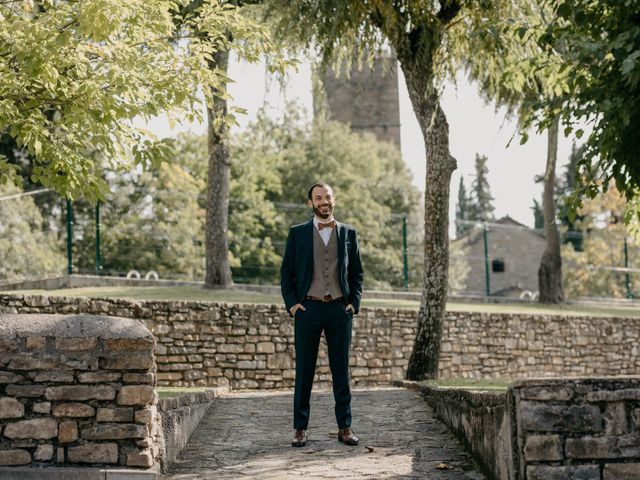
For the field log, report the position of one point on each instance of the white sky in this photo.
(474, 128)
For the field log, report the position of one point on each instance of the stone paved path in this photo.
(248, 435)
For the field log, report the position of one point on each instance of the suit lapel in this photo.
(308, 235)
(341, 232)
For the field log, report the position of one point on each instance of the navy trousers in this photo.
(335, 321)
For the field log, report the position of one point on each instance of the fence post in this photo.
(485, 229)
(69, 237)
(404, 253)
(98, 261)
(627, 280)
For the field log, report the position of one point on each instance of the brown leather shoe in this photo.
(346, 436)
(300, 438)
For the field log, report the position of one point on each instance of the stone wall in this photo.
(77, 390)
(586, 429)
(251, 346)
(180, 416)
(547, 429)
(478, 419)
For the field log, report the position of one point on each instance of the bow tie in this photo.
(330, 224)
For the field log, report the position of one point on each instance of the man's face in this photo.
(322, 202)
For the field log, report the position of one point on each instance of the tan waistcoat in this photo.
(325, 280)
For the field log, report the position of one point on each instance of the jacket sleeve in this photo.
(287, 273)
(355, 274)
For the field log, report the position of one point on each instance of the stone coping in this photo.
(477, 418)
(46, 300)
(191, 398)
(23, 473)
(465, 397)
(536, 382)
(72, 326)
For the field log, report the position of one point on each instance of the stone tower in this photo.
(368, 100)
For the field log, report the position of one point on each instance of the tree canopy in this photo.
(78, 77)
(155, 220)
(598, 45)
(578, 60)
(27, 248)
(273, 163)
(596, 268)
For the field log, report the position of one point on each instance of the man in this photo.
(321, 282)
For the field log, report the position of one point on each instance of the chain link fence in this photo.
(160, 234)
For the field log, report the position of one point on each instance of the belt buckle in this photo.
(327, 298)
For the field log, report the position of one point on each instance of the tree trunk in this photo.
(423, 362)
(218, 271)
(550, 271)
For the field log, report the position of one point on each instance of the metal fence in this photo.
(43, 235)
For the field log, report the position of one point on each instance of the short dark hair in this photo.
(318, 184)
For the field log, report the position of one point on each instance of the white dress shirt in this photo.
(325, 233)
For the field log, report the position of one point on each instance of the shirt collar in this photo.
(316, 220)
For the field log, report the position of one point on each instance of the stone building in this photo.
(368, 100)
(514, 252)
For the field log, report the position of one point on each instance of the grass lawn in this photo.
(189, 293)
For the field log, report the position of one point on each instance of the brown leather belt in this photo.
(325, 299)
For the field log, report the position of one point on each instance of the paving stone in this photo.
(93, 453)
(624, 446)
(547, 393)
(25, 361)
(11, 408)
(39, 428)
(130, 344)
(543, 448)
(25, 390)
(14, 457)
(147, 378)
(140, 459)
(615, 419)
(540, 417)
(73, 410)
(124, 414)
(248, 435)
(136, 395)
(10, 377)
(146, 416)
(114, 431)
(63, 377)
(99, 377)
(128, 361)
(41, 407)
(43, 453)
(75, 344)
(68, 431)
(614, 395)
(80, 392)
(581, 472)
(622, 471)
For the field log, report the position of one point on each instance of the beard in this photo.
(323, 215)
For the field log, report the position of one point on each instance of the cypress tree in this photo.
(462, 210)
(481, 206)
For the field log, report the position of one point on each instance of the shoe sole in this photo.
(341, 440)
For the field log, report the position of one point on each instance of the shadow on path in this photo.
(248, 435)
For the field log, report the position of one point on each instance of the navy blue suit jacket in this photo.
(297, 264)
